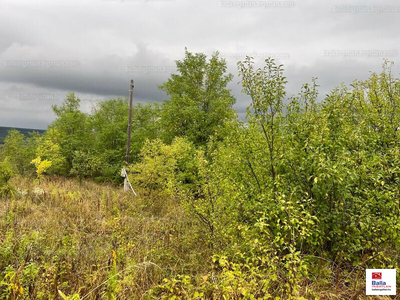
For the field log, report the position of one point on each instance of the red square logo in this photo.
(376, 275)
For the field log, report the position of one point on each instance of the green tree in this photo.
(266, 87)
(6, 173)
(163, 168)
(85, 165)
(71, 127)
(109, 123)
(49, 149)
(20, 151)
(199, 101)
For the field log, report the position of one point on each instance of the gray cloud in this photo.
(111, 42)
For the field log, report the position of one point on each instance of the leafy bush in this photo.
(20, 151)
(6, 173)
(161, 167)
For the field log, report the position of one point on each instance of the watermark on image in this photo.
(254, 55)
(366, 8)
(40, 64)
(359, 53)
(49, 97)
(151, 69)
(255, 4)
(380, 282)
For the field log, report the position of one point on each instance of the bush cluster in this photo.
(305, 193)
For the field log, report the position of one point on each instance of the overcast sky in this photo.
(94, 47)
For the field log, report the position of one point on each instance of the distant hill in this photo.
(25, 131)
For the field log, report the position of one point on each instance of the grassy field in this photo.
(91, 239)
(98, 242)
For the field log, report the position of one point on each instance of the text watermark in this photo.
(49, 97)
(257, 4)
(366, 8)
(363, 53)
(150, 69)
(40, 63)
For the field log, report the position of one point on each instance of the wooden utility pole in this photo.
(128, 146)
(124, 174)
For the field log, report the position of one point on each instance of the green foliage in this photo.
(200, 103)
(6, 173)
(50, 150)
(162, 167)
(266, 87)
(85, 145)
(244, 278)
(41, 166)
(323, 176)
(109, 121)
(20, 150)
(85, 165)
(304, 196)
(300, 180)
(112, 281)
(181, 171)
(70, 129)
(18, 282)
(72, 297)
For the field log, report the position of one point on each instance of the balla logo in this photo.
(376, 275)
(378, 283)
(381, 282)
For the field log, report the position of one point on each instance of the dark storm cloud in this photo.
(94, 48)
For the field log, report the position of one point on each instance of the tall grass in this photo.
(91, 239)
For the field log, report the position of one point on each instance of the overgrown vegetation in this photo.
(93, 240)
(294, 204)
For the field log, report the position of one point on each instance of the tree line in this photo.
(300, 182)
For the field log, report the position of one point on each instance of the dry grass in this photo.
(69, 231)
(58, 234)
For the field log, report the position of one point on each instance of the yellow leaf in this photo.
(383, 182)
(316, 179)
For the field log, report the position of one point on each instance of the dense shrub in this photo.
(6, 173)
